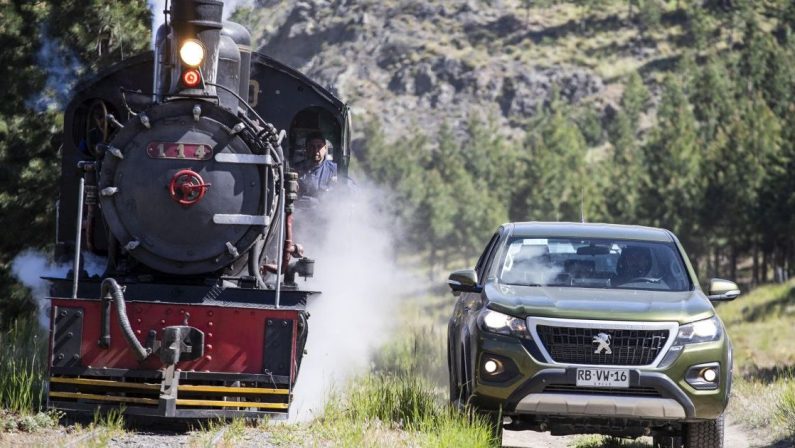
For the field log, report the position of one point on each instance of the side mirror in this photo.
(465, 280)
(722, 290)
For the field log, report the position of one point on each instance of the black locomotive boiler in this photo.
(176, 173)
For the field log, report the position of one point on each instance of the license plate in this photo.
(603, 377)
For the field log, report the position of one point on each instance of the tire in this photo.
(667, 441)
(455, 390)
(707, 434)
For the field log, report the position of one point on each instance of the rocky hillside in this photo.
(412, 62)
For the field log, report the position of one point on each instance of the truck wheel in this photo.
(707, 434)
(455, 391)
(667, 442)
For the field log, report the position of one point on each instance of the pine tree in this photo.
(555, 181)
(673, 190)
(737, 172)
(712, 95)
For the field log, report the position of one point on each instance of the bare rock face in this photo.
(413, 63)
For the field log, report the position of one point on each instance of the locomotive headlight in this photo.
(192, 53)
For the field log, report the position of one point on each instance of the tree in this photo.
(635, 99)
(489, 157)
(624, 167)
(673, 190)
(554, 183)
(752, 67)
(736, 174)
(713, 96)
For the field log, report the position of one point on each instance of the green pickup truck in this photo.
(591, 328)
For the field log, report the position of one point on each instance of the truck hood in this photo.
(598, 304)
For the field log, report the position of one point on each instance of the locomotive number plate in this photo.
(179, 151)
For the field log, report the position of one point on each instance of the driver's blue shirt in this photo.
(319, 178)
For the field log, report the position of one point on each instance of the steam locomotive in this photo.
(176, 171)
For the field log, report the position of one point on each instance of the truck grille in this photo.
(576, 345)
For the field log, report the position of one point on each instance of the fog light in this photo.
(709, 375)
(704, 376)
(490, 366)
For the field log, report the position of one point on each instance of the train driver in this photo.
(318, 173)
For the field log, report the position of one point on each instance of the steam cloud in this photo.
(524, 265)
(63, 68)
(352, 241)
(30, 266)
(158, 6)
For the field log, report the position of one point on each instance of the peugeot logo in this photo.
(603, 339)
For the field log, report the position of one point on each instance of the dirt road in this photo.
(735, 437)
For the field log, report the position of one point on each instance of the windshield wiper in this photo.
(642, 280)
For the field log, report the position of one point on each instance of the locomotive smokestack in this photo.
(195, 39)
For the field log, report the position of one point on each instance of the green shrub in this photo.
(650, 14)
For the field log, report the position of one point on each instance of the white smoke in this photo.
(62, 67)
(352, 241)
(30, 266)
(158, 6)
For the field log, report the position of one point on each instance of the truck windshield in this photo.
(593, 263)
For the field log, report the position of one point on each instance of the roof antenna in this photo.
(582, 204)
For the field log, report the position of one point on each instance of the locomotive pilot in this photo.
(318, 174)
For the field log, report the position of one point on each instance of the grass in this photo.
(388, 410)
(219, 433)
(402, 401)
(595, 441)
(786, 409)
(758, 322)
(763, 395)
(22, 369)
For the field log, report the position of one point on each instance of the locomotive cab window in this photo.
(311, 122)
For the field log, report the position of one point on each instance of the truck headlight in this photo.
(499, 323)
(700, 331)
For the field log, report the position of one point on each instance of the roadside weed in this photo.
(219, 433)
(786, 408)
(22, 371)
(105, 427)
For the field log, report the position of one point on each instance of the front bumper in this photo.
(596, 406)
(534, 387)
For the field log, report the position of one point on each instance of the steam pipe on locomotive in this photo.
(194, 193)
